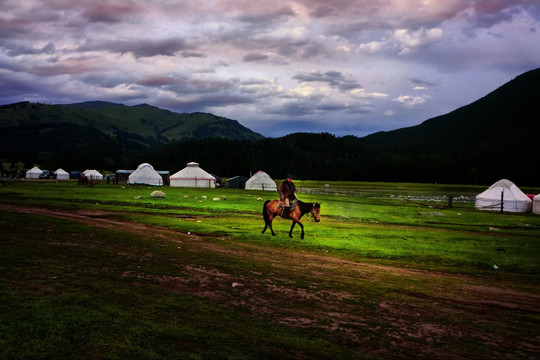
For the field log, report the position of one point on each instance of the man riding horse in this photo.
(283, 208)
(287, 193)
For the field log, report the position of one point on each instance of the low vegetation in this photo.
(391, 271)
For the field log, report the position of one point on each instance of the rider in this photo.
(287, 192)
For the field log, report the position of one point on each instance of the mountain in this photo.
(484, 141)
(505, 112)
(102, 134)
(143, 123)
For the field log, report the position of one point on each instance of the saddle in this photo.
(292, 202)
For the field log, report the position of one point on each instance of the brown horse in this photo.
(271, 209)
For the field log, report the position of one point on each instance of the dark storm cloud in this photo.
(328, 107)
(192, 54)
(334, 79)
(487, 20)
(488, 13)
(221, 63)
(421, 82)
(322, 11)
(287, 50)
(255, 57)
(158, 81)
(312, 50)
(16, 50)
(105, 80)
(200, 103)
(187, 84)
(66, 68)
(267, 17)
(316, 108)
(295, 108)
(357, 109)
(12, 27)
(139, 47)
(109, 13)
(352, 28)
(254, 82)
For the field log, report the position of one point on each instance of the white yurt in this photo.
(145, 175)
(93, 174)
(513, 199)
(261, 181)
(536, 205)
(61, 174)
(33, 173)
(192, 176)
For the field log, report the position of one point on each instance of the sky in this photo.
(347, 67)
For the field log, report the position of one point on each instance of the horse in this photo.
(272, 208)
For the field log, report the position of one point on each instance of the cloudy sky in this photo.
(339, 66)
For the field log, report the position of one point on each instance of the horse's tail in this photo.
(265, 212)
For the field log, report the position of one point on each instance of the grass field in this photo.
(390, 272)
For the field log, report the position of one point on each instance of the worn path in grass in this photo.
(382, 310)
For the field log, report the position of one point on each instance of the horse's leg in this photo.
(295, 216)
(301, 227)
(292, 227)
(270, 224)
(266, 223)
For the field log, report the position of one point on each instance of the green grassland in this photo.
(368, 221)
(65, 293)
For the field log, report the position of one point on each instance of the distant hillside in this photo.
(143, 123)
(102, 134)
(492, 138)
(509, 111)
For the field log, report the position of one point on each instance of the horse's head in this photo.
(316, 212)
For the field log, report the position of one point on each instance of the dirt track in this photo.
(358, 303)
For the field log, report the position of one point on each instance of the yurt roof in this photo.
(144, 165)
(34, 170)
(192, 172)
(92, 173)
(61, 171)
(260, 176)
(261, 181)
(145, 174)
(511, 191)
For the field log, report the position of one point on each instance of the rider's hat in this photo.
(289, 176)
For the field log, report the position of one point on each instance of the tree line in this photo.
(327, 157)
(307, 156)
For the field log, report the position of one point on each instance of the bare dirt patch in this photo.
(385, 311)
